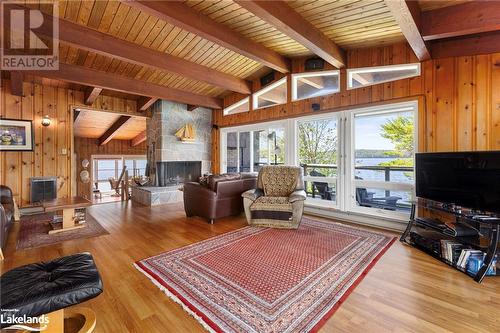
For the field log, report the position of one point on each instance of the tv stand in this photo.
(487, 240)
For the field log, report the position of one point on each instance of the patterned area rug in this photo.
(34, 232)
(268, 280)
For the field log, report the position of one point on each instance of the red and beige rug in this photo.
(267, 280)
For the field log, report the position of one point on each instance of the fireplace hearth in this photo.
(177, 172)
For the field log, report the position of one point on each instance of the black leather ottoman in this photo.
(41, 288)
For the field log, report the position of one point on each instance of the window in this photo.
(317, 152)
(307, 85)
(268, 147)
(111, 167)
(238, 107)
(249, 148)
(359, 161)
(382, 157)
(274, 94)
(361, 77)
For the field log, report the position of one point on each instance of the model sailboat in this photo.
(186, 133)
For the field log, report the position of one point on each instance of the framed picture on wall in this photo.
(16, 135)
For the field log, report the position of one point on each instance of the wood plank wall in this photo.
(461, 97)
(47, 159)
(85, 148)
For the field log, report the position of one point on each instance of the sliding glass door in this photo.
(356, 161)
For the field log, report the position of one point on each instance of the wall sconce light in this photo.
(46, 121)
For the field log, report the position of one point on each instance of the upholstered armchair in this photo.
(278, 200)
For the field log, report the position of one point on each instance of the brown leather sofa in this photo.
(6, 213)
(219, 197)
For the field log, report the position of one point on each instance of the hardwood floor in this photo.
(406, 291)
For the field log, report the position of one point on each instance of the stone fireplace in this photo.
(171, 161)
(164, 146)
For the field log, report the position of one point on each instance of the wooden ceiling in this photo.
(349, 23)
(94, 124)
(196, 51)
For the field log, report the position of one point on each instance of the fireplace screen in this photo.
(173, 173)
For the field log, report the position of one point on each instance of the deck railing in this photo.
(386, 169)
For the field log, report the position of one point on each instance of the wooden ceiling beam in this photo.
(104, 80)
(113, 130)
(91, 94)
(467, 45)
(140, 138)
(107, 45)
(459, 20)
(407, 15)
(16, 83)
(145, 102)
(281, 16)
(189, 19)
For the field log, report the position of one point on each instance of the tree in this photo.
(317, 142)
(400, 132)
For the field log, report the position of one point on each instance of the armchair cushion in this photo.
(279, 181)
(252, 194)
(298, 196)
(278, 208)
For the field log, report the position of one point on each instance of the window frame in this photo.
(297, 76)
(374, 69)
(227, 111)
(94, 168)
(351, 183)
(255, 96)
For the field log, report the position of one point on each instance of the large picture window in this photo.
(356, 161)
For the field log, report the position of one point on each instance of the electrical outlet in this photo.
(64, 151)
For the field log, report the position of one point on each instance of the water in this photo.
(375, 175)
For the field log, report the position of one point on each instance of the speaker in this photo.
(314, 64)
(266, 79)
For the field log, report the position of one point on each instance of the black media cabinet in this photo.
(432, 229)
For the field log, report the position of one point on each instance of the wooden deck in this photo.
(406, 291)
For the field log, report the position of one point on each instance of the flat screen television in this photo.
(467, 179)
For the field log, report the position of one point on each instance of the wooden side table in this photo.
(67, 206)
